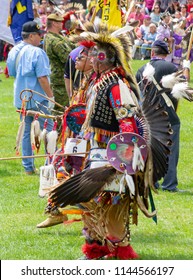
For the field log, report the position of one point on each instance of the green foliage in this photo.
(21, 209)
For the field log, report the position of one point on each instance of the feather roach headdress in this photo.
(113, 43)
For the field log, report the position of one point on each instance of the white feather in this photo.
(122, 30)
(43, 134)
(141, 163)
(19, 136)
(126, 98)
(179, 90)
(84, 34)
(148, 72)
(81, 24)
(130, 183)
(72, 18)
(135, 161)
(51, 141)
(168, 81)
(36, 127)
(138, 162)
(122, 184)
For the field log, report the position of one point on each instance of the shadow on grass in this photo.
(187, 191)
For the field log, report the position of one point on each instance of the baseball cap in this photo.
(55, 17)
(31, 27)
(161, 45)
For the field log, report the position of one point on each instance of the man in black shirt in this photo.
(162, 68)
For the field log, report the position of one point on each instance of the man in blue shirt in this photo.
(29, 65)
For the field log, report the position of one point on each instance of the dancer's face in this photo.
(99, 60)
(83, 62)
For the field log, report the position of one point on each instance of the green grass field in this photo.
(21, 208)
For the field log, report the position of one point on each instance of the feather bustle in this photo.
(83, 186)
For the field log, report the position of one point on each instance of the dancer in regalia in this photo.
(129, 147)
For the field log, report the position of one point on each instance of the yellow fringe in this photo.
(72, 211)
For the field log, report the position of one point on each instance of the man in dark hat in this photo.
(29, 65)
(162, 68)
(57, 48)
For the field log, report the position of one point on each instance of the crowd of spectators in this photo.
(173, 22)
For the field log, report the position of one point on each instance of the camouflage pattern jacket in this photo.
(57, 48)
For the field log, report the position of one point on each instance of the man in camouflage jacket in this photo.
(57, 48)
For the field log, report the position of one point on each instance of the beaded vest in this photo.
(103, 116)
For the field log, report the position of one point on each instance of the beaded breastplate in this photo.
(103, 116)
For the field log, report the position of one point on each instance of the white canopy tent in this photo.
(5, 31)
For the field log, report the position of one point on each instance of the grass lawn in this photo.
(21, 208)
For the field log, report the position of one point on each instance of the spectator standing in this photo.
(164, 32)
(57, 49)
(29, 65)
(179, 33)
(162, 67)
(72, 76)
